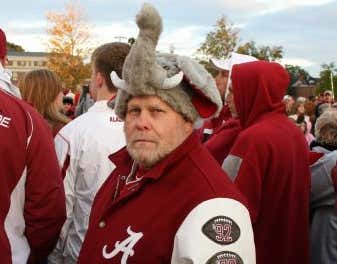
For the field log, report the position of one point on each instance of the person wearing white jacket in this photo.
(83, 147)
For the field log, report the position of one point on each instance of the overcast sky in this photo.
(307, 29)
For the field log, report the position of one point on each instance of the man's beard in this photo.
(147, 158)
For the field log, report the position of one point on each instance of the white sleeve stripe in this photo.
(14, 223)
(231, 165)
(32, 129)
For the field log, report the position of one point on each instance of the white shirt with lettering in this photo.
(83, 147)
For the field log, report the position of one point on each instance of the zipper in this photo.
(116, 190)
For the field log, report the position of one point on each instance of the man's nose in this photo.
(143, 121)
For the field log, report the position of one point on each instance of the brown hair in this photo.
(40, 89)
(110, 57)
(296, 106)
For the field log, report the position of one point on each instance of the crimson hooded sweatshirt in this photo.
(269, 164)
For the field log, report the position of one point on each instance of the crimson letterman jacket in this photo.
(183, 210)
(32, 202)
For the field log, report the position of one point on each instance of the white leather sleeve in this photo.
(216, 231)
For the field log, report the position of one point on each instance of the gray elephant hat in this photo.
(178, 80)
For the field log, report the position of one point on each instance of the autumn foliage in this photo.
(68, 45)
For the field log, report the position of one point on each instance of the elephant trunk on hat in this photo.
(141, 71)
(177, 80)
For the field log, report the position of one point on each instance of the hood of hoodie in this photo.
(6, 84)
(258, 89)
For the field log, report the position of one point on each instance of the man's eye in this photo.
(133, 111)
(157, 110)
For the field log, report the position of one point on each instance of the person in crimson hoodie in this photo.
(32, 200)
(269, 163)
(222, 140)
(218, 125)
(223, 135)
(167, 201)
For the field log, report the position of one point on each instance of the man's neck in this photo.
(105, 94)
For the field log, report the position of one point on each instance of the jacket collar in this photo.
(122, 158)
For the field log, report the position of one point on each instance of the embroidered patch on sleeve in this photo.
(222, 230)
(225, 257)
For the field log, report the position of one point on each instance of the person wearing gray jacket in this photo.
(323, 230)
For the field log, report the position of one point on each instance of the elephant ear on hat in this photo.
(204, 94)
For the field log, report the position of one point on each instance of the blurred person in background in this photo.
(68, 104)
(85, 101)
(217, 125)
(323, 192)
(328, 97)
(43, 90)
(302, 124)
(310, 110)
(289, 103)
(83, 147)
(5, 74)
(325, 101)
(299, 109)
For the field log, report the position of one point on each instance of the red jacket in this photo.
(212, 126)
(223, 139)
(32, 198)
(269, 164)
(159, 218)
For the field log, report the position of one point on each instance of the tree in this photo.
(220, 42)
(325, 74)
(131, 41)
(225, 38)
(68, 45)
(262, 52)
(296, 73)
(14, 47)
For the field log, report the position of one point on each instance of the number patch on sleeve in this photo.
(225, 257)
(222, 230)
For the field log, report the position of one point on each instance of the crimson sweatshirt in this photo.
(269, 164)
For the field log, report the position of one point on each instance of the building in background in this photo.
(21, 62)
(305, 87)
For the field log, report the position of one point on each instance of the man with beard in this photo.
(167, 200)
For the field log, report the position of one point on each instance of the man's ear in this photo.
(99, 79)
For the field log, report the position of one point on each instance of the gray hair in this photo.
(326, 128)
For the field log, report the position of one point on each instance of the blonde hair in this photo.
(40, 89)
(326, 128)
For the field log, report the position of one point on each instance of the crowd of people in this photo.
(156, 161)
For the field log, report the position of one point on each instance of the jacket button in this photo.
(101, 224)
